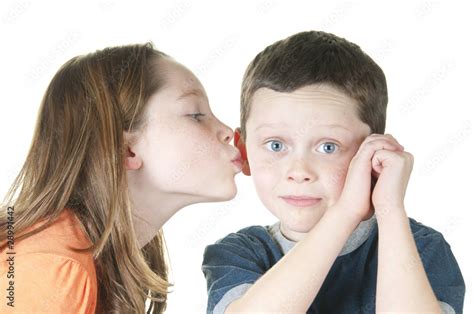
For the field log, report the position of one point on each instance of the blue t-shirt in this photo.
(234, 263)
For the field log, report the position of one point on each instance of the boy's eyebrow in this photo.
(270, 125)
(337, 126)
(273, 125)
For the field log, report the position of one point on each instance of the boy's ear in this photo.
(239, 143)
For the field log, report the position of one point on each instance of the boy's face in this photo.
(299, 147)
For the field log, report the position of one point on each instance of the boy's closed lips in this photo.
(301, 201)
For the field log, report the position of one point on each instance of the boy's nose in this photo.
(300, 173)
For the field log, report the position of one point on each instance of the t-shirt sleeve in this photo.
(441, 268)
(234, 263)
(49, 283)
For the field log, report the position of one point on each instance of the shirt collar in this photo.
(355, 240)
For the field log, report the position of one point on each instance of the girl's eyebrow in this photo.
(191, 92)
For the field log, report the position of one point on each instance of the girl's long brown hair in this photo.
(76, 160)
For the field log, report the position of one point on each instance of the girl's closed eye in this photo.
(197, 116)
(275, 146)
(328, 148)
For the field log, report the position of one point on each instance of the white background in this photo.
(424, 48)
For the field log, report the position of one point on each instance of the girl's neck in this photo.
(150, 214)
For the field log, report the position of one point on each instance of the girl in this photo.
(124, 139)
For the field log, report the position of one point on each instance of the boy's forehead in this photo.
(313, 106)
(315, 93)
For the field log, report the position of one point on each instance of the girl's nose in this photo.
(225, 133)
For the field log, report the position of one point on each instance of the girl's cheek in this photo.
(208, 136)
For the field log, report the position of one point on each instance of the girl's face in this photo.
(184, 150)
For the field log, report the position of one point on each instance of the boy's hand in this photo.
(355, 196)
(393, 169)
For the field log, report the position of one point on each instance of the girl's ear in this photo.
(239, 143)
(132, 160)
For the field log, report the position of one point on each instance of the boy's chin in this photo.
(296, 230)
(301, 228)
(299, 225)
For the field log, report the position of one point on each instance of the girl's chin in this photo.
(222, 195)
(229, 194)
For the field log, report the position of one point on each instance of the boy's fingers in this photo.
(361, 165)
(387, 137)
(368, 149)
(391, 136)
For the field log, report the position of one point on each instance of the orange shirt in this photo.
(49, 277)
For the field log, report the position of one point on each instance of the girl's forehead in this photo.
(178, 81)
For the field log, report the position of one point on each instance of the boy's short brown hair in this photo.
(317, 57)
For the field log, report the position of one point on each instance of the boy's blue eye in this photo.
(275, 146)
(328, 148)
(196, 116)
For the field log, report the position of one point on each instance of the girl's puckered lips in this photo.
(238, 161)
(301, 200)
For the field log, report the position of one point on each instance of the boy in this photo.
(312, 136)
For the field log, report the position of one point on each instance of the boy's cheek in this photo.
(260, 162)
(265, 190)
(269, 173)
(336, 178)
(263, 175)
